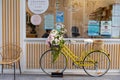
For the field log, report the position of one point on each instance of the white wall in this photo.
(23, 32)
(0, 21)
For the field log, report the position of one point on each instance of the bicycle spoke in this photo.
(48, 66)
(101, 63)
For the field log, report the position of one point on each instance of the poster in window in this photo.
(105, 28)
(49, 21)
(93, 28)
(38, 6)
(36, 19)
(60, 16)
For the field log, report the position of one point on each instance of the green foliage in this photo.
(56, 40)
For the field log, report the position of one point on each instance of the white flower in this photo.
(56, 36)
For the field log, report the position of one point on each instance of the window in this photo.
(82, 18)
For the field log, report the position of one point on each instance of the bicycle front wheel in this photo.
(96, 63)
(48, 66)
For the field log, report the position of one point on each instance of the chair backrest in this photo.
(10, 52)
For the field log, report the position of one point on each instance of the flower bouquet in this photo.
(55, 40)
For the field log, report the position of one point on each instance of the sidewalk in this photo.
(113, 76)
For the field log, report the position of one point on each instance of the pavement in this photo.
(109, 76)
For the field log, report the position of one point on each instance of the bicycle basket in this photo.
(98, 45)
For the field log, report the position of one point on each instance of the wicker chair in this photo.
(10, 54)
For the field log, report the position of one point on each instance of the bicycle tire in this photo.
(49, 67)
(100, 66)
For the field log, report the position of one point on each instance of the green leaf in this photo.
(55, 55)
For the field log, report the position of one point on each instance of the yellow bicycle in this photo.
(94, 62)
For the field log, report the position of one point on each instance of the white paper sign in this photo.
(38, 6)
(105, 28)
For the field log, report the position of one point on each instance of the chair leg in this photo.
(14, 70)
(19, 67)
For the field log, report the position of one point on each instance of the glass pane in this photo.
(82, 18)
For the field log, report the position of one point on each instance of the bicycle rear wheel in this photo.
(48, 66)
(96, 63)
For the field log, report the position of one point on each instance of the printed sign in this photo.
(38, 6)
(59, 16)
(49, 21)
(105, 28)
(93, 28)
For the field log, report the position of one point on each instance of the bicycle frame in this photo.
(94, 61)
(77, 60)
